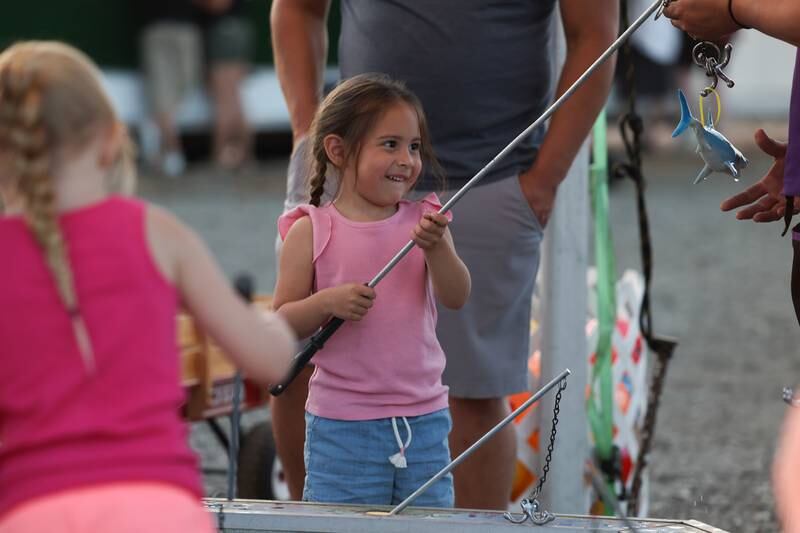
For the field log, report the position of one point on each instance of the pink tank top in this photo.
(390, 363)
(60, 427)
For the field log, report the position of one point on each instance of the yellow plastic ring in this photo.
(719, 107)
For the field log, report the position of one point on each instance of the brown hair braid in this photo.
(350, 111)
(51, 99)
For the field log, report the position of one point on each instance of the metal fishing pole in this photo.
(480, 442)
(318, 340)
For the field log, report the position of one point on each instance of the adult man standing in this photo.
(482, 70)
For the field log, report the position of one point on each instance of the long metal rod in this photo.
(519, 138)
(303, 357)
(480, 442)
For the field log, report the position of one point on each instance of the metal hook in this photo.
(708, 56)
(530, 511)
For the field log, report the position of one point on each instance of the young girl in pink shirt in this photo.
(377, 419)
(90, 283)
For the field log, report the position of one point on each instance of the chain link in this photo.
(551, 445)
(530, 505)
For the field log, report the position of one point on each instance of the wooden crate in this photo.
(207, 373)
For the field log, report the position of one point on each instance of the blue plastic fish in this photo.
(717, 151)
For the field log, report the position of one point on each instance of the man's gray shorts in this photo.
(496, 234)
(487, 341)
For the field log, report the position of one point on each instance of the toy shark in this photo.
(717, 152)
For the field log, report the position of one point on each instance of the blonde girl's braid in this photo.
(22, 128)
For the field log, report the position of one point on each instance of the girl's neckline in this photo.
(75, 211)
(352, 222)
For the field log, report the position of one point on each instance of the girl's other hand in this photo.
(350, 301)
(428, 233)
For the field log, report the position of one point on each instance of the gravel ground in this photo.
(720, 286)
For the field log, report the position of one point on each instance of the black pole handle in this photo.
(244, 287)
(300, 360)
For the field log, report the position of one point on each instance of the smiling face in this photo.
(389, 160)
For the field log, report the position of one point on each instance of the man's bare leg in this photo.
(289, 431)
(484, 479)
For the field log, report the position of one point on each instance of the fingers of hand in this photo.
(363, 291)
(427, 233)
(437, 218)
(769, 145)
(769, 216)
(746, 197)
(359, 305)
(762, 206)
(353, 301)
(433, 226)
(671, 10)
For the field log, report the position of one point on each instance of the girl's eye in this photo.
(390, 144)
(414, 147)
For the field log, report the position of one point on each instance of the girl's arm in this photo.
(293, 298)
(449, 274)
(261, 343)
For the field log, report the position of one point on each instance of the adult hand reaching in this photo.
(764, 200)
(702, 19)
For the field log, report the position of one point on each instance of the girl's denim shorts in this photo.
(348, 461)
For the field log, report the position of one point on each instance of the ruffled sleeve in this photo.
(432, 204)
(320, 225)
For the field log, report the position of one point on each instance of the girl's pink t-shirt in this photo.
(62, 427)
(390, 363)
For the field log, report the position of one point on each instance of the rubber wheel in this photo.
(257, 464)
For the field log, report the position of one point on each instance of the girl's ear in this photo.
(335, 150)
(111, 146)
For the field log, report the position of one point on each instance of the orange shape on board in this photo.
(533, 440)
(515, 400)
(523, 478)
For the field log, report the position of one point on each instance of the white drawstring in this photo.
(399, 459)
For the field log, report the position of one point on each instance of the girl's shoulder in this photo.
(318, 216)
(318, 220)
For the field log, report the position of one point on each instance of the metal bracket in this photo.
(708, 56)
(530, 511)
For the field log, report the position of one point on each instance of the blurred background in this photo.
(720, 286)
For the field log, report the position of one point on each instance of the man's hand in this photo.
(763, 201)
(539, 192)
(702, 19)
